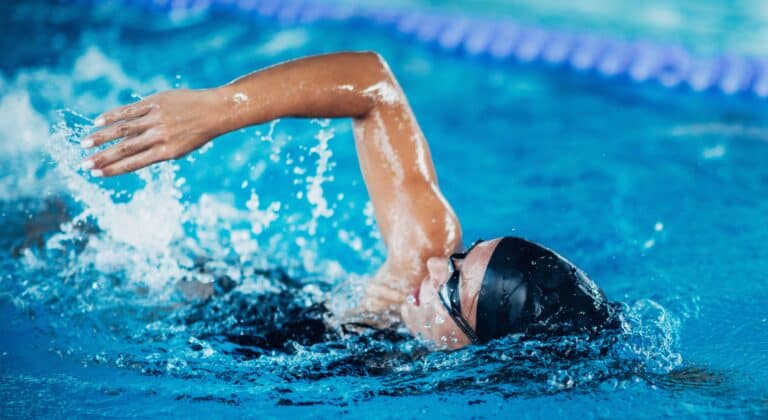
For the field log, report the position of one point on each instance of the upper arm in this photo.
(414, 217)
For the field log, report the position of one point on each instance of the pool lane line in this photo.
(506, 41)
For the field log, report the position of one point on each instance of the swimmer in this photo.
(497, 287)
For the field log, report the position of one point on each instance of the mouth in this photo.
(416, 294)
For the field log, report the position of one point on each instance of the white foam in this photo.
(24, 130)
(261, 219)
(23, 135)
(138, 236)
(351, 239)
(152, 235)
(314, 191)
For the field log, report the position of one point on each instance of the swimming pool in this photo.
(658, 194)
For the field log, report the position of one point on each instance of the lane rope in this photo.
(503, 40)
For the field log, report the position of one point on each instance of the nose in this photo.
(438, 271)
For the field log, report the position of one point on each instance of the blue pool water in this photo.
(659, 195)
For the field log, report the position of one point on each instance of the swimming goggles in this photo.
(449, 295)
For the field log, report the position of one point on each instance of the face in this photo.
(426, 316)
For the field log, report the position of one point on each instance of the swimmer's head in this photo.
(504, 286)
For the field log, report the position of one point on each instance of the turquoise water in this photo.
(705, 26)
(659, 195)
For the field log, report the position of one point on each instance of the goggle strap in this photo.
(459, 320)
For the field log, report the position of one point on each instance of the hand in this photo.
(161, 127)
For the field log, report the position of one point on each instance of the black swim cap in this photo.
(530, 289)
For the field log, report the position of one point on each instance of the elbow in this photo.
(375, 67)
(381, 87)
(374, 60)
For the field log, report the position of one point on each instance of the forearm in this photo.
(325, 86)
(170, 124)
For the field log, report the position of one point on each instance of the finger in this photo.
(129, 164)
(118, 151)
(123, 129)
(127, 112)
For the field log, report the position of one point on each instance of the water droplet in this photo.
(714, 152)
(427, 326)
(454, 339)
(411, 299)
(439, 320)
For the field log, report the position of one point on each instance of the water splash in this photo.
(148, 233)
(118, 266)
(315, 187)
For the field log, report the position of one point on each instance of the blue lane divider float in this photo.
(637, 61)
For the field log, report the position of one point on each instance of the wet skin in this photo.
(418, 226)
(426, 316)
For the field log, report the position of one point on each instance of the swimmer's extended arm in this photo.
(171, 124)
(415, 219)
